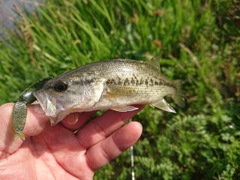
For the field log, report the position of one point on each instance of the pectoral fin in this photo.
(163, 104)
(124, 108)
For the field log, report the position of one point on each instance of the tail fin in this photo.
(178, 99)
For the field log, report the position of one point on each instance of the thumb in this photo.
(36, 122)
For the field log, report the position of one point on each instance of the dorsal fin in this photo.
(154, 62)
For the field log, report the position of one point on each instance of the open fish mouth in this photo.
(50, 105)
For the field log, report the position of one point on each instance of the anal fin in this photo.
(163, 104)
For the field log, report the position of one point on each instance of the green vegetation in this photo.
(199, 42)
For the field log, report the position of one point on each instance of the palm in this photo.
(58, 153)
(53, 156)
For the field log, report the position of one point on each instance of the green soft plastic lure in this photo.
(19, 113)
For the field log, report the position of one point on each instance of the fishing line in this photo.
(131, 149)
(130, 120)
(132, 159)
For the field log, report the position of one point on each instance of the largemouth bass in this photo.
(114, 84)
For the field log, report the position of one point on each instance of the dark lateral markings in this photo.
(139, 81)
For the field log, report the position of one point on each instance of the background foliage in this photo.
(199, 42)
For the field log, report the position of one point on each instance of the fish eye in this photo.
(60, 86)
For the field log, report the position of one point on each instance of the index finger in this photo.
(104, 125)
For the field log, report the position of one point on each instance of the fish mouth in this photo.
(50, 105)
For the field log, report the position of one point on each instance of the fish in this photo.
(117, 84)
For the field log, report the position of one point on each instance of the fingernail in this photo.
(74, 120)
(38, 109)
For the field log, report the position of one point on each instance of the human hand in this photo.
(55, 152)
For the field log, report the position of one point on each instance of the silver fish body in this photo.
(115, 84)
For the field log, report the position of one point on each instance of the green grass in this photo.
(199, 43)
